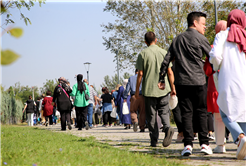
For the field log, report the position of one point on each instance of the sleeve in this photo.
(139, 62)
(166, 63)
(54, 94)
(127, 90)
(206, 48)
(73, 93)
(217, 50)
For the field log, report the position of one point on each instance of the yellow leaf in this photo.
(8, 57)
(16, 32)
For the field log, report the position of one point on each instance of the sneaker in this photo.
(241, 150)
(86, 125)
(211, 137)
(168, 137)
(187, 151)
(135, 127)
(69, 126)
(206, 149)
(179, 139)
(219, 149)
(142, 130)
(110, 126)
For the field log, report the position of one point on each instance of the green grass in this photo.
(29, 146)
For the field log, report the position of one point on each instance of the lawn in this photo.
(23, 145)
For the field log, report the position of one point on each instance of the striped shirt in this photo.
(93, 93)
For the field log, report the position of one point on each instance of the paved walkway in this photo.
(136, 141)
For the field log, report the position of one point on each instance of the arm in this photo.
(74, 91)
(24, 108)
(171, 81)
(139, 79)
(164, 66)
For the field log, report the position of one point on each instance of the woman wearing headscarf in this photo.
(212, 95)
(81, 104)
(125, 119)
(228, 56)
(62, 99)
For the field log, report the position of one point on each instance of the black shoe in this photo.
(79, 128)
(126, 128)
(142, 130)
(86, 125)
(135, 127)
(69, 126)
(168, 137)
(153, 145)
(46, 124)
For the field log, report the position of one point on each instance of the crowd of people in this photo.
(204, 106)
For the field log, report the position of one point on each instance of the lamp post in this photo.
(118, 67)
(215, 10)
(87, 70)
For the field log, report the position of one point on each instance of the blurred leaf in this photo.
(8, 57)
(2, 8)
(16, 32)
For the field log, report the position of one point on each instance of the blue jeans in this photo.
(236, 128)
(90, 114)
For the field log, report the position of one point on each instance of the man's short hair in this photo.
(136, 70)
(48, 93)
(149, 37)
(194, 16)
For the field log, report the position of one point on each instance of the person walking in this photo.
(29, 107)
(156, 100)
(80, 89)
(228, 56)
(62, 99)
(187, 49)
(125, 119)
(48, 108)
(137, 105)
(107, 107)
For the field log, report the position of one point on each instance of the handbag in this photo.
(113, 113)
(125, 109)
(86, 95)
(173, 101)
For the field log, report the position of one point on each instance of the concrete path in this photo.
(118, 137)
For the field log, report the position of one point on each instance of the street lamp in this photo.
(215, 10)
(118, 67)
(87, 63)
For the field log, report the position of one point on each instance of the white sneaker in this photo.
(219, 149)
(187, 151)
(241, 150)
(211, 137)
(206, 149)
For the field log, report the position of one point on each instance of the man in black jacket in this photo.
(187, 49)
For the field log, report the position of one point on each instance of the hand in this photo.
(124, 100)
(173, 92)
(161, 86)
(136, 95)
(52, 103)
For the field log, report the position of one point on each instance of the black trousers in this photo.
(107, 118)
(65, 116)
(193, 104)
(96, 116)
(50, 119)
(81, 116)
(177, 118)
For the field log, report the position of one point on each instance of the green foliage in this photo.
(32, 145)
(49, 85)
(111, 83)
(11, 109)
(166, 18)
(8, 57)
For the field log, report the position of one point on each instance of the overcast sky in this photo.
(62, 37)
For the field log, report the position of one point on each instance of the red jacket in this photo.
(48, 107)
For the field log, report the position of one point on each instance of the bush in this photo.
(11, 109)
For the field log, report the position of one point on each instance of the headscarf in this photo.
(220, 26)
(80, 83)
(124, 83)
(237, 22)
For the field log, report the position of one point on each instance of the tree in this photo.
(111, 83)
(9, 56)
(49, 85)
(166, 18)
